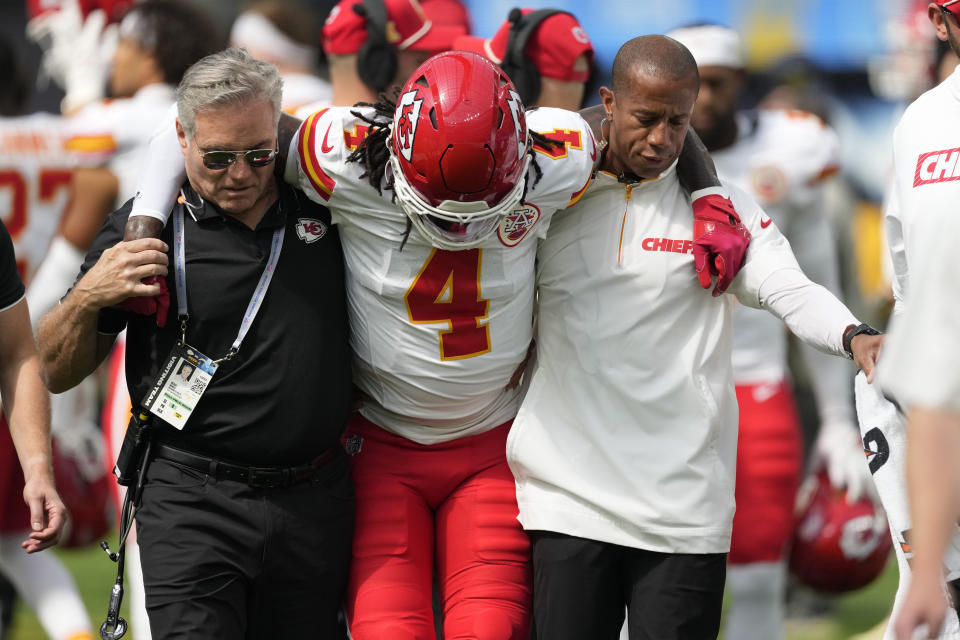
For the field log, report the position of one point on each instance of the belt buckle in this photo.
(262, 479)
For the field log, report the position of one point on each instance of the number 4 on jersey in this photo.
(447, 290)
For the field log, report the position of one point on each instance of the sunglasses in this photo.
(220, 160)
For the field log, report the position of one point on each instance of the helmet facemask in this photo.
(454, 225)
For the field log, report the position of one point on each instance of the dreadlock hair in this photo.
(374, 150)
(539, 140)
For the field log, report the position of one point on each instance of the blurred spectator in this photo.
(795, 82)
(545, 52)
(285, 34)
(34, 174)
(372, 45)
(78, 39)
(908, 68)
(448, 13)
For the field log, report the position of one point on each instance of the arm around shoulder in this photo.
(70, 345)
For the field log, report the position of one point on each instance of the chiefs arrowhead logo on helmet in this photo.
(519, 124)
(405, 122)
(837, 545)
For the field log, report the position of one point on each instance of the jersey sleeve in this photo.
(162, 172)
(567, 165)
(91, 139)
(11, 286)
(323, 144)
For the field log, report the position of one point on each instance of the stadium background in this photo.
(823, 47)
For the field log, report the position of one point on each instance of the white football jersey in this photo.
(437, 334)
(35, 173)
(115, 133)
(781, 158)
(628, 432)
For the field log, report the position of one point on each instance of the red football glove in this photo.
(720, 241)
(149, 305)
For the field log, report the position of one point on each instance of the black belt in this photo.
(255, 477)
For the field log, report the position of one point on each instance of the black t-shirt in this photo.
(11, 286)
(285, 396)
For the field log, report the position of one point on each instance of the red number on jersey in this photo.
(565, 139)
(51, 181)
(447, 289)
(16, 217)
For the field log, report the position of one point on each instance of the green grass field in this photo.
(854, 614)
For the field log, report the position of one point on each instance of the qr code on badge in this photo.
(198, 386)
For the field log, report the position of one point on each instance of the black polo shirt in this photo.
(285, 396)
(11, 287)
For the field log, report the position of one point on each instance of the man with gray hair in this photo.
(246, 518)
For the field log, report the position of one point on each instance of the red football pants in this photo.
(453, 503)
(769, 464)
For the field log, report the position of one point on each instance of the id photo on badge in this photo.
(185, 372)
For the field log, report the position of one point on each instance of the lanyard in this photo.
(253, 307)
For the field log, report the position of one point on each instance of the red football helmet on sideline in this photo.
(837, 546)
(115, 9)
(84, 487)
(458, 149)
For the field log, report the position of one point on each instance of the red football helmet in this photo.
(837, 546)
(458, 149)
(115, 9)
(83, 483)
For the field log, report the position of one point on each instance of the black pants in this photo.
(224, 561)
(581, 588)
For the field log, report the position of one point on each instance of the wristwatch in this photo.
(857, 330)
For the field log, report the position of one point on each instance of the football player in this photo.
(783, 159)
(546, 53)
(372, 45)
(284, 34)
(441, 199)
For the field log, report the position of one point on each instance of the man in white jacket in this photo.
(624, 450)
(784, 160)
